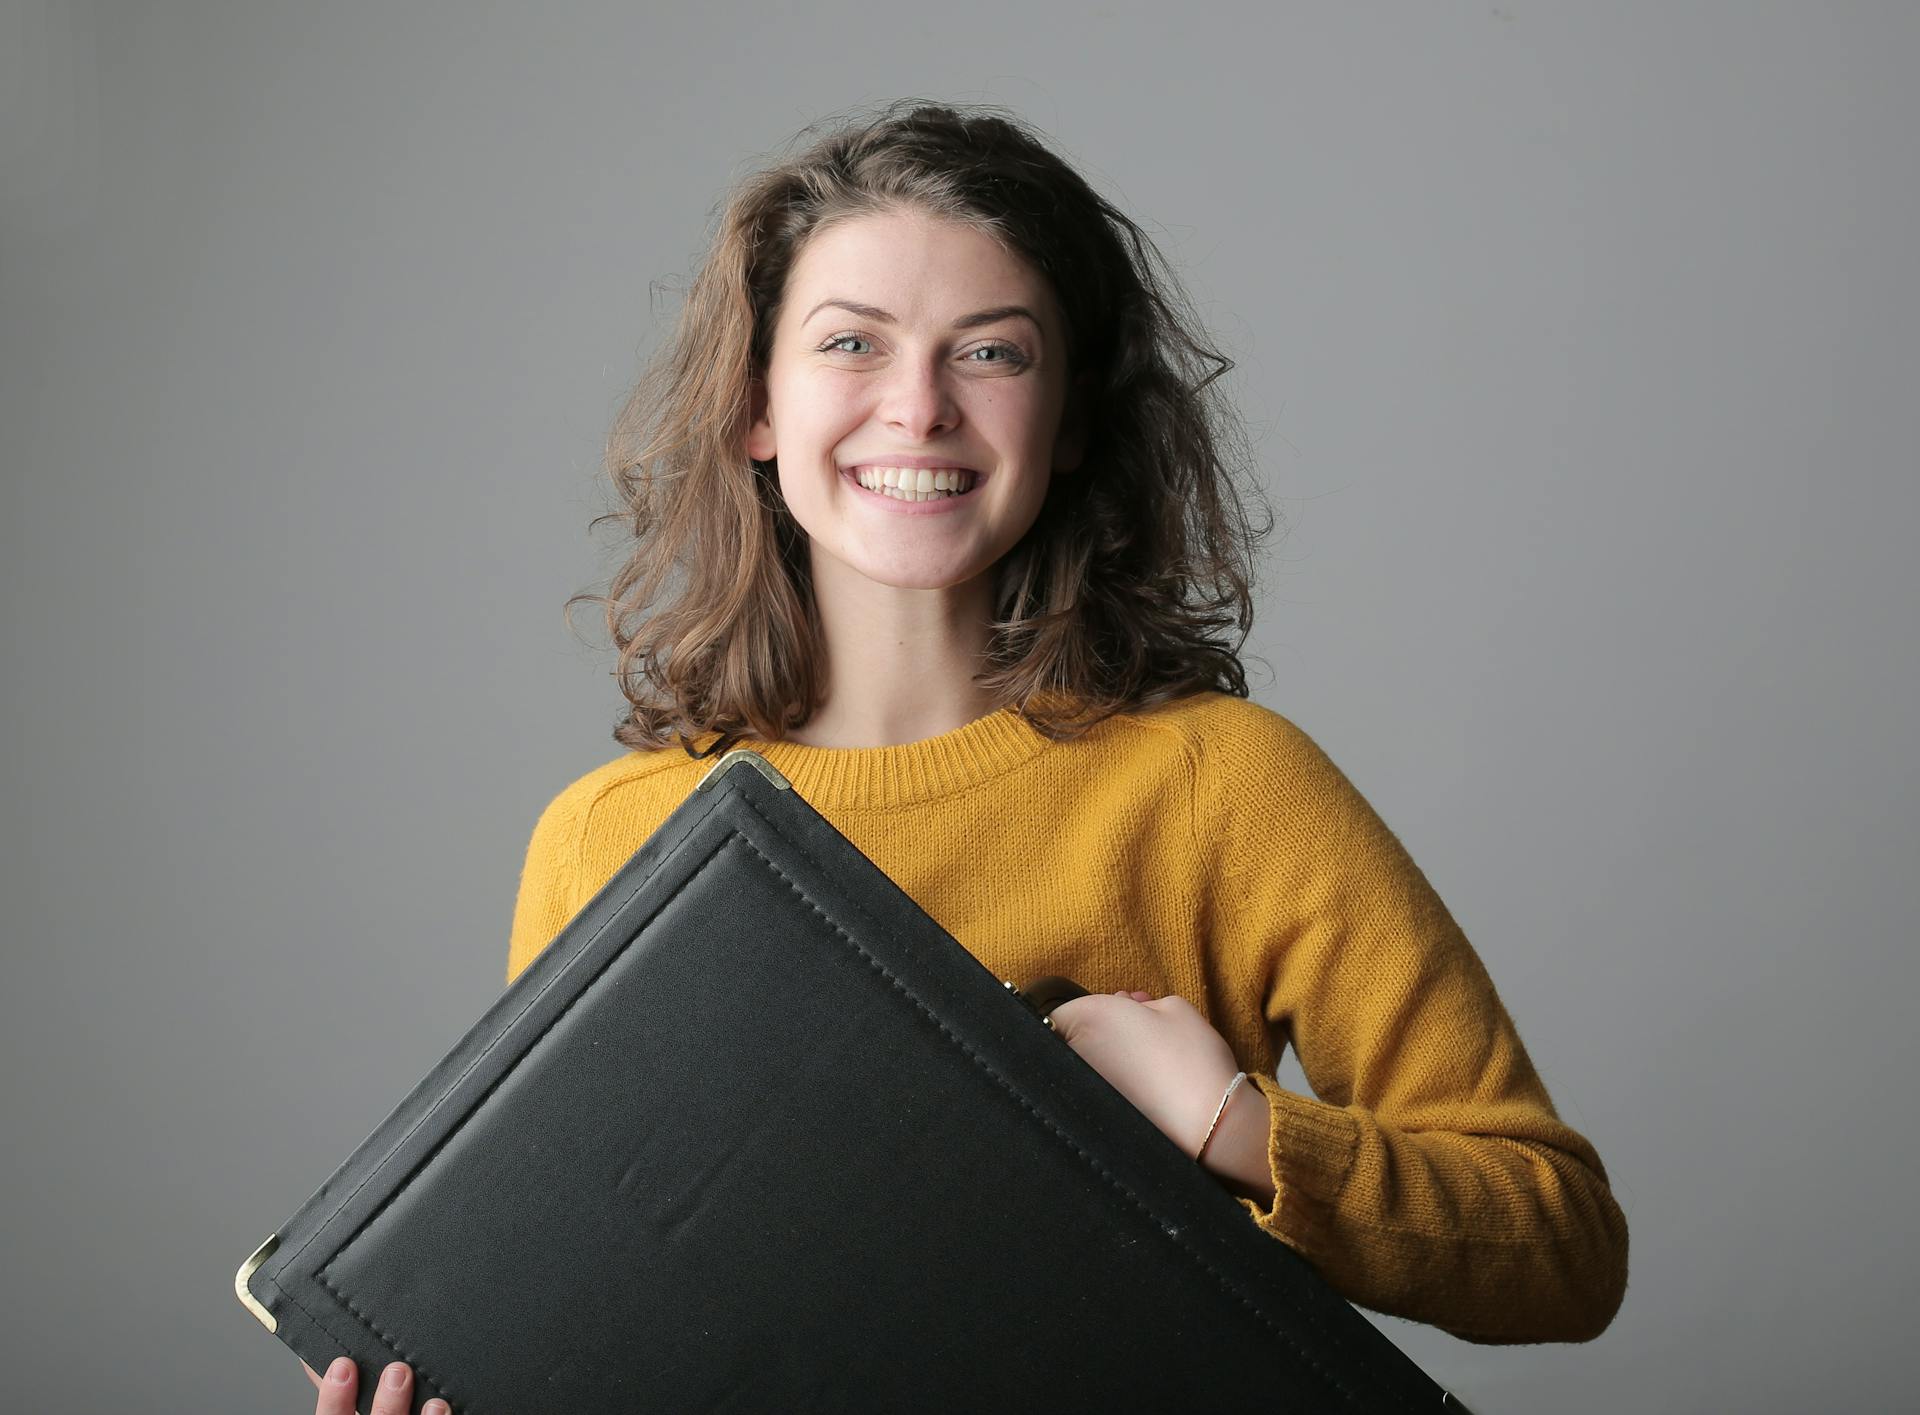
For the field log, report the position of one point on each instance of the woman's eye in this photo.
(1007, 354)
(840, 339)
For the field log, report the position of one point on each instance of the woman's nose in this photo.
(918, 401)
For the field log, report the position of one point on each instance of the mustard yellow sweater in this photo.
(1210, 848)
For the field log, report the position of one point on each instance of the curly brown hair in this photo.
(1134, 584)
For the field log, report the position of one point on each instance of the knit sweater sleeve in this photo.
(1431, 1177)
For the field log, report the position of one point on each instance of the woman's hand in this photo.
(395, 1396)
(1159, 1053)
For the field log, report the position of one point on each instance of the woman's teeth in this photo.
(916, 483)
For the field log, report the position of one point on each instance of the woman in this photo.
(931, 506)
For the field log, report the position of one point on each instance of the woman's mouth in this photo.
(916, 483)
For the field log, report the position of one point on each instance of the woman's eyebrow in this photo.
(969, 321)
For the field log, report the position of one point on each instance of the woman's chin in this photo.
(915, 580)
(870, 569)
(920, 577)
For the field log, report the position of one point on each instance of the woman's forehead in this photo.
(912, 269)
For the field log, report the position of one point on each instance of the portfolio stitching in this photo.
(393, 1344)
(284, 1292)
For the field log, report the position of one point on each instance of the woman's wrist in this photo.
(1237, 1152)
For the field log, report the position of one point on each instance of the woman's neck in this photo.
(900, 662)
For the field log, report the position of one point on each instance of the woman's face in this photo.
(903, 341)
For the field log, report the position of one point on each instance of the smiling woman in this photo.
(935, 503)
(931, 290)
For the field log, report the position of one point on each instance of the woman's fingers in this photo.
(336, 1388)
(394, 1396)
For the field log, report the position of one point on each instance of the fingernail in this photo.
(396, 1375)
(436, 1407)
(341, 1371)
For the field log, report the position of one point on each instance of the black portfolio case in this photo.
(755, 1134)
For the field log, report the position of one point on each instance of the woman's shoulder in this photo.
(584, 833)
(1254, 757)
(633, 785)
(1224, 731)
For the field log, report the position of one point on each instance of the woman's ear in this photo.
(760, 444)
(1070, 443)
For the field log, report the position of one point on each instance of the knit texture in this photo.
(1209, 848)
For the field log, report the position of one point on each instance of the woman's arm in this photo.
(1491, 1238)
(1428, 1242)
(1429, 1176)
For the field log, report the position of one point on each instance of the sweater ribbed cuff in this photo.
(1310, 1149)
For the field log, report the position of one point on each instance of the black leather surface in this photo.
(754, 1133)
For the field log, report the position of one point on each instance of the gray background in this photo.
(1580, 347)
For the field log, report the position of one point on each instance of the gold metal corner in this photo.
(247, 1270)
(751, 758)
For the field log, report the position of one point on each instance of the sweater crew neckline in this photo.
(886, 778)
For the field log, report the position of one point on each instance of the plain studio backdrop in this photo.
(1579, 349)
